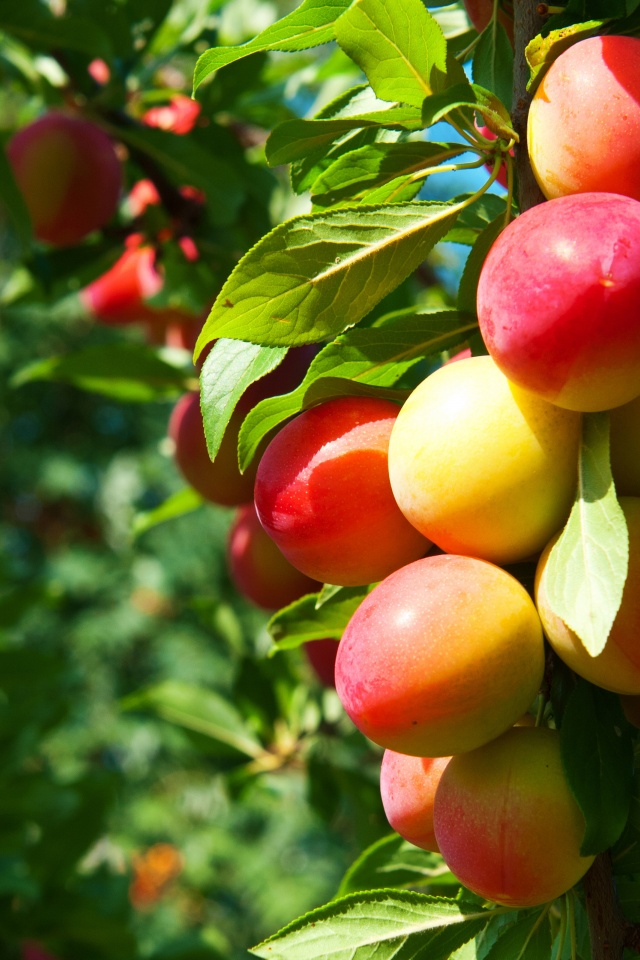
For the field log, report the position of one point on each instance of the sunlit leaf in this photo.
(315, 276)
(399, 47)
(587, 568)
(308, 26)
(379, 924)
(394, 862)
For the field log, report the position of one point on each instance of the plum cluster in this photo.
(444, 658)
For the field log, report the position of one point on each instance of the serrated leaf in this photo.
(529, 938)
(305, 620)
(177, 505)
(542, 51)
(296, 139)
(468, 286)
(310, 25)
(13, 203)
(124, 371)
(315, 276)
(353, 175)
(229, 369)
(597, 757)
(199, 709)
(493, 62)
(587, 567)
(384, 924)
(393, 862)
(399, 47)
(378, 356)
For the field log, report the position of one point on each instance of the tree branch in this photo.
(527, 24)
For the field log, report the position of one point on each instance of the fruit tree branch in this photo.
(528, 23)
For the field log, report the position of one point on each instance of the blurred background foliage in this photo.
(167, 789)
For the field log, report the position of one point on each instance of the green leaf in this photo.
(463, 101)
(177, 505)
(12, 202)
(356, 173)
(310, 25)
(529, 938)
(597, 757)
(297, 139)
(399, 47)
(468, 287)
(383, 924)
(314, 276)
(124, 371)
(393, 862)
(587, 567)
(475, 218)
(305, 620)
(377, 356)
(229, 369)
(542, 51)
(198, 709)
(493, 62)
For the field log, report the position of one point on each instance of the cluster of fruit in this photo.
(442, 660)
(477, 471)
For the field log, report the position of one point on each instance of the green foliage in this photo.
(597, 756)
(347, 928)
(587, 567)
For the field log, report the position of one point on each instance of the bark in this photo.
(528, 23)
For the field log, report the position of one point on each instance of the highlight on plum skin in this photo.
(442, 656)
(323, 494)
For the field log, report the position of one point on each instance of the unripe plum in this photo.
(70, 176)
(506, 821)
(258, 569)
(407, 788)
(480, 466)
(322, 654)
(442, 656)
(559, 300)
(221, 481)
(617, 668)
(323, 495)
(584, 121)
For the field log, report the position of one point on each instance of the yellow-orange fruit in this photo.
(442, 656)
(506, 821)
(482, 467)
(408, 788)
(617, 668)
(584, 121)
